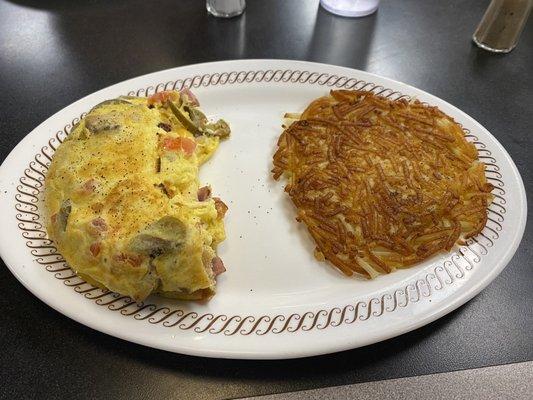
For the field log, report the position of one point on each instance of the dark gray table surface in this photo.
(54, 52)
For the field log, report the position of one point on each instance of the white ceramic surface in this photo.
(276, 300)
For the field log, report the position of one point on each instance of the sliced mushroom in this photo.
(120, 100)
(150, 245)
(63, 214)
(164, 235)
(220, 129)
(126, 98)
(101, 123)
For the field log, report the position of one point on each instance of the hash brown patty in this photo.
(381, 184)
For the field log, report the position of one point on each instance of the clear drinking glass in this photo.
(502, 24)
(225, 8)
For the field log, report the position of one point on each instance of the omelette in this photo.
(123, 200)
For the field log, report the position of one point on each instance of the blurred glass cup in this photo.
(350, 8)
(502, 24)
(225, 8)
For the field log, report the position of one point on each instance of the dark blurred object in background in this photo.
(502, 24)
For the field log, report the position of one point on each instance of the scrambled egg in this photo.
(125, 207)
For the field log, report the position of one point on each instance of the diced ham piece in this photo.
(192, 99)
(162, 97)
(133, 259)
(95, 248)
(221, 207)
(218, 266)
(99, 224)
(204, 193)
(89, 186)
(165, 127)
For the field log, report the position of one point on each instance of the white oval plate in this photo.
(275, 301)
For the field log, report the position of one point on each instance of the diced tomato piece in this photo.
(162, 97)
(180, 143)
(172, 144)
(188, 145)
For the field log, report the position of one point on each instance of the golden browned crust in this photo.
(381, 184)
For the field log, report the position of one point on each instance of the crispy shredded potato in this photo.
(381, 184)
